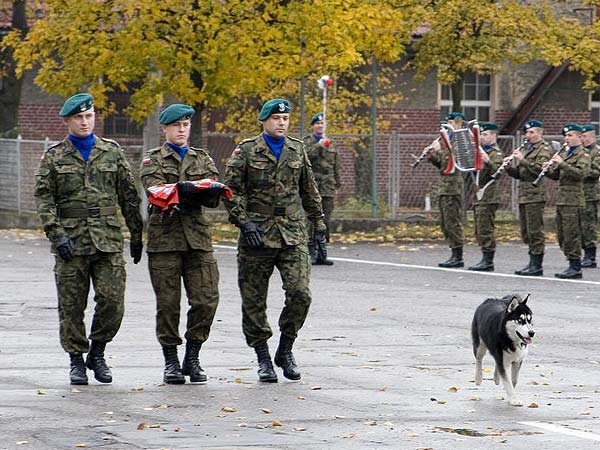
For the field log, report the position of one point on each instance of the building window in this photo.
(477, 97)
(118, 124)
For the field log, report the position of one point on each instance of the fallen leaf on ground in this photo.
(453, 389)
(154, 425)
(80, 445)
(315, 388)
(441, 402)
(533, 405)
(228, 409)
(299, 429)
(276, 423)
(22, 442)
(138, 388)
(266, 410)
(40, 392)
(142, 425)
(300, 397)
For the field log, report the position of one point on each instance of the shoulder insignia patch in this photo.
(146, 161)
(236, 151)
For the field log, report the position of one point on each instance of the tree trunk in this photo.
(457, 94)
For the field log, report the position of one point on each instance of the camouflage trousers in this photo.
(451, 219)
(328, 206)
(107, 274)
(255, 267)
(200, 275)
(531, 218)
(485, 226)
(589, 224)
(568, 227)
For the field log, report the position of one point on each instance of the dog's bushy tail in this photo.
(475, 335)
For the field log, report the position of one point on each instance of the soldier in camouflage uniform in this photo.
(527, 164)
(179, 246)
(589, 216)
(80, 184)
(570, 166)
(485, 209)
(450, 197)
(327, 168)
(273, 183)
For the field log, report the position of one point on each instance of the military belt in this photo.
(273, 210)
(98, 211)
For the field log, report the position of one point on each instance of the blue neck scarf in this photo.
(571, 150)
(84, 145)
(275, 144)
(318, 138)
(486, 148)
(181, 151)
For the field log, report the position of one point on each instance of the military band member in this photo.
(485, 209)
(180, 246)
(327, 169)
(450, 196)
(80, 184)
(527, 164)
(589, 216)
(570, 166)
(272, 184)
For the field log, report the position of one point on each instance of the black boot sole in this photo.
(79, 382)
(268, 379)
(105, 380)
(291, 377)
(174, 381)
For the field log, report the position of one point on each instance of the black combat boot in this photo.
(534, 268)
(322, 255)
(172, 373)
(486, 264)
(312, 251)
(266, 372)
(572, 272)
(95, 361)
(191, 363)
(77, 373)
(589, 258)
(284, 358)
(456, 260)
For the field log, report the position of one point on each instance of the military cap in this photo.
(274, 106)
(78, 103)
(571, 127)
(488, 126)
(455, 115)
(316, 118)
(533, 124)
(588, 127)
(175, 112)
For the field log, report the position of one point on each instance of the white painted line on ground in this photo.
(563, 430)
(443, 269)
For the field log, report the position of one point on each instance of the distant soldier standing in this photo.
(570, 167)
(532, 200)
(80, 182)
(327, 169)
(450, 196)
(589, 216)
(485, 209)
(272, 183)
(180, 246)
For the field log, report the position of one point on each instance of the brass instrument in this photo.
(547, 166)
(499, 171)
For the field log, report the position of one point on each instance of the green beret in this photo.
(76, 104)
(571, 127)
(488, 126)
(275, 106)
(175, 112)
(588, 127)
(455, 115)
(533, 124)
(316, 118)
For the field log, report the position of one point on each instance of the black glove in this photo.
(251, 233)
(211, 197)
(185, 188)
(65, 248)
(135, 249)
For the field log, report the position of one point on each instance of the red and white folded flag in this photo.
(166, 196)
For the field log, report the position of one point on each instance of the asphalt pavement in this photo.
(385, 355)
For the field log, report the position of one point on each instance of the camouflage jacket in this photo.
(590, 183)
(186, 228)
(450, 184)
(570, 174)
(527, 170)
(492, 192)
(67, 186)
(272, 193)
(326, 165)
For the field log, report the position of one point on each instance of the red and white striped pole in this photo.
(325, 82)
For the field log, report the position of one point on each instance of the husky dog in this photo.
(503, 327)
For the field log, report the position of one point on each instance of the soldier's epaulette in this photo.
(200, 150)
(247, 140)
(53, 146)
(110, 141)
(293, 139)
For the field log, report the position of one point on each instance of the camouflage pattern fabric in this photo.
(492, 192)
(531, 219)
(568, 230)
(485, 225)
(326, 165)
(451, 219)
(450, 184)
(591, 192)
(589, 224)
(527, 170)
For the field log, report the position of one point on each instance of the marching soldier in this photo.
(327, 168)
(589, 216)
(450, 197)
(272, 183)
(180, 246)
(528, 163)
(570, 168)
(485, 209)
(79, 184)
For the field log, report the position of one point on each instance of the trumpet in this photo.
(547, 166)
(499, 171)
(423, 155)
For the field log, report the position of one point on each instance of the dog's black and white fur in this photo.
(503, 327)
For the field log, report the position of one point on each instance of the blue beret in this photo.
(175, 112)
(455, 115)
(76, 104)
(571, 127)
(488, 126)
(588, 127)
(275, 106)
(533, 124)
(316, 118)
